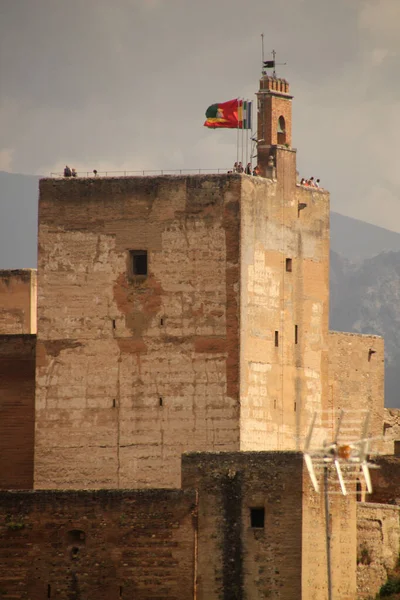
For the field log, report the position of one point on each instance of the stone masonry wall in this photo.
(356, 377)
(343, 540)
(378, 541)
(284, 309)
(284, 558)
(235, 560)
(17, 410)
(385, 480)
(18, 301)
(391, 427)
(107, 545)
(132, 371)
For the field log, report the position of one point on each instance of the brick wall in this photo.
(97, 545)
(130, 372)
(235, 560)
(282, 385)
(18, 301)
(17, 402)
(378, 542)
(356, 376)
(385, 480)
(343, 540)
(391, 428)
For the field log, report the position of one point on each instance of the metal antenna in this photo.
(262, 53)
(269, 64)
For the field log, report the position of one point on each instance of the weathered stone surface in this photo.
(18, 296)
(133, 372)
(356, 378)
(17, 410)
(105, 545)
(378, 542)
(287, 556)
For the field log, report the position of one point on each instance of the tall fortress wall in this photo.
(180, 314)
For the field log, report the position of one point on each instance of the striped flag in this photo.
(244, 114)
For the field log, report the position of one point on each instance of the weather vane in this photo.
(268, 64)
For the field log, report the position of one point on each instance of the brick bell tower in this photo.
(275, 154)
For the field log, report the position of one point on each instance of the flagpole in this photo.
(247, 133)
(237, 134)
(242, 132)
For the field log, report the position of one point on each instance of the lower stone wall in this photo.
(378, 542)
(250, 532)
(104, 545)
(17, 410)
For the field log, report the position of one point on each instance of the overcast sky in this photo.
(124, 84)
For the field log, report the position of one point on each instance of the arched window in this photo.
(281, 130)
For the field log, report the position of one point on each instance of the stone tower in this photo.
(179, 314)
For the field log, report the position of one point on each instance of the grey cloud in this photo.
(127, 83)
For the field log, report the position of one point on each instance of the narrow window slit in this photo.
(296, 334)
(161, 401)
(257, 517)
(289, 265)
(276, 339)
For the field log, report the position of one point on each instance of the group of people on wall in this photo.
(248, 170)
(72, 172)
(310, 182)
(69, 172)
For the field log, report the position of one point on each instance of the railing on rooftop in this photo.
(146, 172)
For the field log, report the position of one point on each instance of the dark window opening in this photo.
(138, 262)
(276, 339)
(296, 334)
(289, 265)
(257, 516)
(120, 591)
(274, 402)
(113, 323)
(114, 403)
(161, 321)
(77, 536)
(161, 401)
(74, 552)
(49, 591)
(295, 406)
(358, 491)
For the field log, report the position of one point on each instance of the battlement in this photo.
(273, 84)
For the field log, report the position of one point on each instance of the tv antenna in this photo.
(347, 452)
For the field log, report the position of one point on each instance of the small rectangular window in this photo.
(138, 260)
(276, 339)
(257, 517)
(289, 265)
(296, 334)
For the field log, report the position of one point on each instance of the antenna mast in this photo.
(262, 51)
